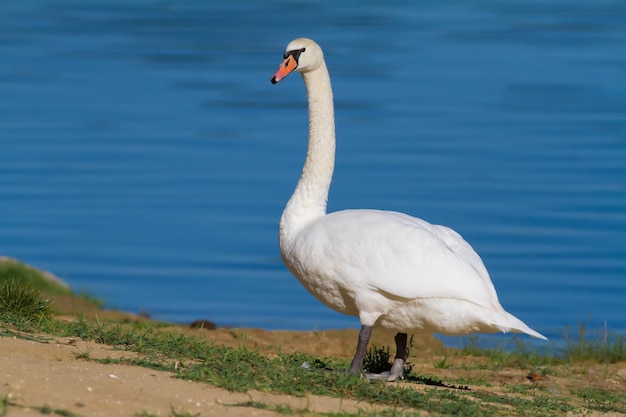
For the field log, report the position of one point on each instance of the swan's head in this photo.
(301, 55)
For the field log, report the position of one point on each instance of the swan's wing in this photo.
(396, 254)
(456, 244)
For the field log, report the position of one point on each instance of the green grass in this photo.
(601, 347)
(196, 358)
(19, 272)
(289, 411)
(21, 304)
(442, 363)
(12, 271)
(6, 405)
(580, 346)
(23, 300)
(602, 400)
(378, 359)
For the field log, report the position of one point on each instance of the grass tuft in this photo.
(603, 400)
(21, 303)
(377, 360)
(17, 271)
(6, 405)
(602, 347)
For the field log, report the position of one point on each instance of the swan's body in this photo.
(387, 268)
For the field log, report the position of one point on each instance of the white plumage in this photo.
(387, 268)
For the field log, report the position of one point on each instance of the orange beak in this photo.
(286, 68)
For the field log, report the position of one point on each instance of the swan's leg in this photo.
(397, 369)
(361, 348)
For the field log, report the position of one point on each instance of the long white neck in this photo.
(308, 201)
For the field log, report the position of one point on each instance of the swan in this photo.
(388, 268)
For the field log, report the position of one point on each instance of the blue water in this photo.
(145, 157)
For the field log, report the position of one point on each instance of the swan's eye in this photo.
(295, 53)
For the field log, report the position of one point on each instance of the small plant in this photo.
(377, 360)
(604, 347)
(442, 363)
(519, 388)
(602, 400)
(83, 354)
(21, 302)
(4, 405)
(13, 270)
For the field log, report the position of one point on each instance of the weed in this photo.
(603, 347)
(21, 304)
(278, 408)
(519, 388)
(6, 405)
(602, 400)
(24, 274)
(376, 360)
(442, 363)
(83, 354)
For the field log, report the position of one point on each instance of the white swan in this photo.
(388, 268)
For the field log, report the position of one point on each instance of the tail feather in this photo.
(517, 326)
(532, 333)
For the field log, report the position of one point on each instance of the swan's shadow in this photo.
(426, 380)
(319, 365)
